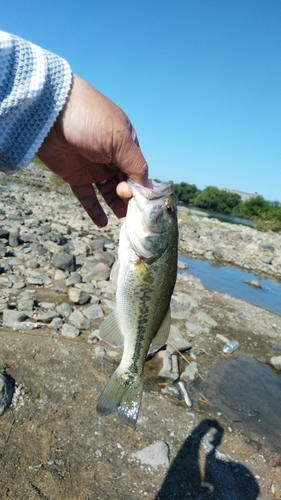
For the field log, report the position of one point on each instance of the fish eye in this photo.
(169, 209)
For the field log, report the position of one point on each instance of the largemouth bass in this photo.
(145, 276)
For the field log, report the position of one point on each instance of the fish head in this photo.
(151, 223)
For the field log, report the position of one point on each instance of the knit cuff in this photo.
(34, 86)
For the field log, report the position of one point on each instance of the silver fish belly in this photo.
(145, 275)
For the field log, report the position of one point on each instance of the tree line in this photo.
(266, 214)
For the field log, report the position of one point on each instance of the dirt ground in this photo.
(53, 445)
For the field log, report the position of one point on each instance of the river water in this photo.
(222, 217)
(226, 279)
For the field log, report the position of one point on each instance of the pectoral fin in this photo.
(114, 272)
(110, 331)
(163, 333)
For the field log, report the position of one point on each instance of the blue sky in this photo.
(199, 79)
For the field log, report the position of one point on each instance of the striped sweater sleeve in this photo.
(34, 85)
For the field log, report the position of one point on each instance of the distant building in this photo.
(244, 196)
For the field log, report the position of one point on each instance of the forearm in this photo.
(34, 85)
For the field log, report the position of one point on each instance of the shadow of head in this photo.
(207, 474)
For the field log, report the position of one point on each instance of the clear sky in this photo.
(199, 79)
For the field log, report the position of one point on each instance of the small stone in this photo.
(275, 361)
(79, 320)
(73, 279)
(155, 455)
(10, 316)
(56, 323)
(99, 352)
(77, 296)
(207, 319)
(47, 305)
(193, 329)
(13, 239)
(240, 317)
(167, 368)
(65, 309)
(176, 341)
(222, 338)
(65, 261)
(69, 331)
(47, 317)
(94, 312)
(60, 275)
(190, 372)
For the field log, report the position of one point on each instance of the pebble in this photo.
(69, 331)
(155, 455)
(190, 372)
(99, 352)
(275, 361)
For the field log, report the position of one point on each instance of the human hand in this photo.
(93, 141)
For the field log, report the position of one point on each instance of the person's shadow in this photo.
(221, 479)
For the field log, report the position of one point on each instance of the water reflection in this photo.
(221, 479)
(249, 394)
(226, 279)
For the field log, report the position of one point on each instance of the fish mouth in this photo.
(154, 190)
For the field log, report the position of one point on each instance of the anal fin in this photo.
(110, 331)
(162, 335)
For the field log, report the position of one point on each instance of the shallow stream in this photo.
(226, 279)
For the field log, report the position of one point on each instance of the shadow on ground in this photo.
(220, 479)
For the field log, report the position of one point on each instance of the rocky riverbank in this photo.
(234, 244)
(54, 276)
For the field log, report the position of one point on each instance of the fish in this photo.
(145, 275)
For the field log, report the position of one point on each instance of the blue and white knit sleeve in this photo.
(34, 85)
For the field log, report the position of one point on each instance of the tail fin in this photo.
(123, 397)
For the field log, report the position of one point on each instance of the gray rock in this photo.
(73, 279)
(275, 361)
(65, 261)
(3, 304)
(47, 317)
(176, 340)
(60, 275)
(155, 455)
(101, 271)
(170, 368)
(13, 239)
(207, 319)
(19, 285)
(99, 352)
(190, 372)
(218, 253)
(86, 287)
(179, 310)
(240, 317)
(2, 249)
(96, 245)
(93, 312)
(6, 392)
(56, 323)
(77, 296)
(193, 329)
(10, 316)
(69, 331)
(25, 301)
(35, 281)
(78, 319)
(253, 283)
(65, 309)
(47, 305)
